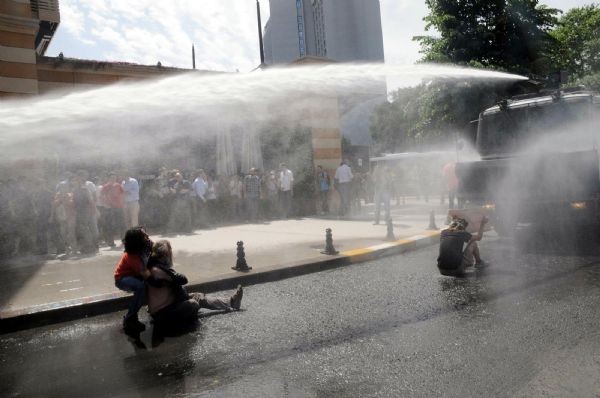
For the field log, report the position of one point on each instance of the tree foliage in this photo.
(512, 35)
(591, 81)
(519, 36)
(577, 37)
(432, 114)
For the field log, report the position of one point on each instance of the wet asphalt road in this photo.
(527, 326)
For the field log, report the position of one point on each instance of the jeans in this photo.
(113, 224)
(138, 288)
(252, 208)
(285, 198)
(343, 189)
(179, 314)
(324, 201)
(385, 198)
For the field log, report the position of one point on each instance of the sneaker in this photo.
(482, 264)
(236, 298)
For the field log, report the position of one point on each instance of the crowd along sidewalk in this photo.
(37, 291)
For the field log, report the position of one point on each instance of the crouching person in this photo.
(130, 274)
(453, 259)
(171, 307)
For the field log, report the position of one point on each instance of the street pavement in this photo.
(526, 326)
(37, 284)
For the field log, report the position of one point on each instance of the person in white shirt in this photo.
(199, 190)
(286, 189)
(343, 178)
(132, 200)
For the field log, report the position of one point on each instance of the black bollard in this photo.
(432, 225)
(329, 249)
(241, 264)
(390, 230)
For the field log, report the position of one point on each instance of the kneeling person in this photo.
(452, 259)
(169, 304)
(130, 273)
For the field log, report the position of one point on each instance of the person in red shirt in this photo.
(131, 272)
(113, 197)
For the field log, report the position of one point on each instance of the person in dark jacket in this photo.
(170, 306)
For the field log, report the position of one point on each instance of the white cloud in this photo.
(72, 17)
(401, 20)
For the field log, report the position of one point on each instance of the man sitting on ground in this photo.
(452, 259)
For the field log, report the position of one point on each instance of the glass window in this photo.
(508, 131)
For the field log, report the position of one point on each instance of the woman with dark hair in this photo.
(131, 272)
(171, 307)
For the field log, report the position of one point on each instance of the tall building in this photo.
(341, 30)
(338, 30)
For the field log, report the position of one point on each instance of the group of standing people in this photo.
(202, 199)
(344, 182)
(73, 215)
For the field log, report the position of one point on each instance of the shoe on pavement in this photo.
(236, 298)
(482, 264)
(133, 325)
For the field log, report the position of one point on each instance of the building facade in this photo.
(26, 30)
(341, 30)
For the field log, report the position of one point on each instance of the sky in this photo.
(224, 32)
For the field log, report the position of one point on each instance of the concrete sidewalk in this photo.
(46, 290)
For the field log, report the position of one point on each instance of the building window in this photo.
(300, 18)
(319, 27)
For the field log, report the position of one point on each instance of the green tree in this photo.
(591, 81)
(512, 35)
(431, 114)
(577, 38)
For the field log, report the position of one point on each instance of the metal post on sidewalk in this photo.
(241, 264)
(432, 225)
(390, 229)
(329, 249)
